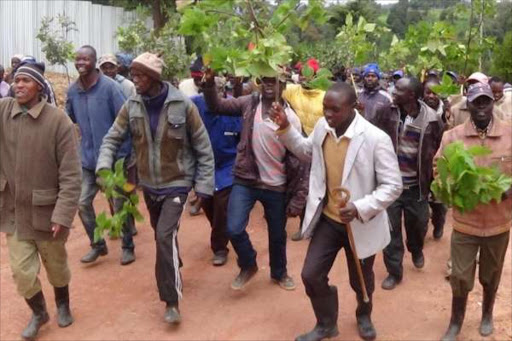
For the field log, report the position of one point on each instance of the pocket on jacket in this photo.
(176, 127)
(43, 204)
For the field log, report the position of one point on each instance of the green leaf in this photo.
(478, 150)
(307, 71)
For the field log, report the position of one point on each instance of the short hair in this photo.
(495, 79)
(415, 85)
(90, 48)
(344, 88)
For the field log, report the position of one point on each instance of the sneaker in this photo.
(127, 257)
(219, 259)
(286, 283)
(172, 315)
(243, 277)
(418, 260)
(390, 282)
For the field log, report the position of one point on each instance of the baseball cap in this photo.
(478, 77)
(479, 89)
(107, 58)
(398, 73)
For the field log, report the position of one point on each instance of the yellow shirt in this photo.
(307, 104)
(334, 158)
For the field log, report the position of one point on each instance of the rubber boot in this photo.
(64, 317)
(458, 312)
(486, 326)
(326, 312)
(364, 321)
(39, 316)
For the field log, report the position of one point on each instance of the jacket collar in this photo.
(173, 95)
(496, 129)
(353, 129)
(35, 111)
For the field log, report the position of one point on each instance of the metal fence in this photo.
(21, 20)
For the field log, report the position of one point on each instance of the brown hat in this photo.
(107, 58)
(149, 63)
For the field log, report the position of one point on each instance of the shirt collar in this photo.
(496, 128)
(349, 133)
(35, 111)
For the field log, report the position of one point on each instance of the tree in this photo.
(58, 50)
(502, 58)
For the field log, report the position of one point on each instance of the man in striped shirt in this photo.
(416, 131)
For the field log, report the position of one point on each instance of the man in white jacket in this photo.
(345, 150)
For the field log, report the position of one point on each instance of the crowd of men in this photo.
(234, 142)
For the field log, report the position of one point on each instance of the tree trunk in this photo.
(159, 16)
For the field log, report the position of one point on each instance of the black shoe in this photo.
(172, 314)
(319, 333)
(390, 282)
(486, 325)
(418, 260)
(458, 312)
(243, 277)
(64, 317)
(94, 253)
(438, 232)
(39, 316)
(365, 327)
(220, 258)
(128, 256)
(297, 236)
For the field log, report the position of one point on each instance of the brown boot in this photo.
(458, 312)
(486, 326)
(39, 316)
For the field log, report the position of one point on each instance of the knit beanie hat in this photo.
(32, 71)
(149, 63)
(372, 68)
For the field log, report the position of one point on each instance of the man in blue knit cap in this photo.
(372, 94)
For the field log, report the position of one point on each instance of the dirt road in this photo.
(111, 302)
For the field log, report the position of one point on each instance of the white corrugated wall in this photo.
(20, 20)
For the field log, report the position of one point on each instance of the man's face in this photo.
(268, 88)
(371, 81)
(497, 90)
(109, 70)
(198, 81)
(85, 63)
(481, 109)
(429, 97)
(142, 81)
(401, 93)
(15, 62)
(357, 77)
(337, 109)
(25, 89)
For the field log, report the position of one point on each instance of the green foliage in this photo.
(446, 88)
(321, 80)
(53, 35)
(502, 58)
(137, 38)
(462, 184)
(115, 186)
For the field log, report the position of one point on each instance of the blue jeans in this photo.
(241, 202)
(88, 216)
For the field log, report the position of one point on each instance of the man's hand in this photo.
(277, 114)
(292, 212)
(56, 228)
(208, 78)
(101, 183)
(348, 213)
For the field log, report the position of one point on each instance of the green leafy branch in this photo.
(462, 184)
(116, 186)
(446, 88)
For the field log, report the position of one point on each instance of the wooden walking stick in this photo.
(342, 196)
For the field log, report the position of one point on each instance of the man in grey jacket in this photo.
(173, 155)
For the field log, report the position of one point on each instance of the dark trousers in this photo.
(241, 202)
(328, 238)
(416, 217)
(438, 216)
(464, 249)
(216, 208)
(165, 213)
